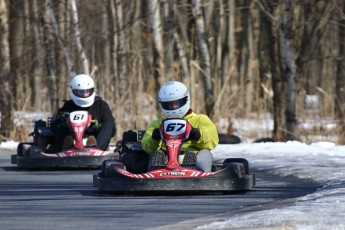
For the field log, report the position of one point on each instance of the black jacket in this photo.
(99, 111)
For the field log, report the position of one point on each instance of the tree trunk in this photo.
(138, 104)
(120, 50)
(75, 20)
(59, 31)
(158, 52)
(64, 56)
(50, 57)
(169, 30)
(17, 44)
(279, 132)
(107, 89)
(250, 59)
(6, 81)
(204, 55)
(288, 66)
(182, 54)
(114, 43)
(231, 59)
(219, 73)
(37, 57)
(340, 80)
(180, 39)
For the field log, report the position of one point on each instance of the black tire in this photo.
(263, 140)
(34, 151)
(228, 139)
(241, 165)
(216, 167)
(22, 148)
(238, 168)
(108, 166)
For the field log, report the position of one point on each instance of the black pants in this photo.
(103, 135)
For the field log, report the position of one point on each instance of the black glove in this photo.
(61, 118)
(194, 134)
(95, 125)
(122, 150)
(156, 134)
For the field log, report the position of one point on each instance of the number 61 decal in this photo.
(78, 116)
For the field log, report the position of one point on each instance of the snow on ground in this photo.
(9, 145)
(323, 162)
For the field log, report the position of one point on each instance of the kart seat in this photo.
(133, 136)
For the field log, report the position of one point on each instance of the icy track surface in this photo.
(322, 162)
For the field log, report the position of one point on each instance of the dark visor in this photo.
(172, 105)
(83, 93)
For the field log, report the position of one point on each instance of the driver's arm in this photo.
(148, 143)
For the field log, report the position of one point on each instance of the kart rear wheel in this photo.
(22, 148)
(216, 167)
(239, 165)
(34, 151)
(228, 139)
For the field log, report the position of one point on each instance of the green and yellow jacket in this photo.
(209, 135)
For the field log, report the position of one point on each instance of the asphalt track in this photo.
(66, 199)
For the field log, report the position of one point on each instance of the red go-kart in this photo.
(232, 175)
(36, 154)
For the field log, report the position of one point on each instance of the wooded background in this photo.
(240, 58)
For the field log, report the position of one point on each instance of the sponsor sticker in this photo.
(172, 174)
(74, 154)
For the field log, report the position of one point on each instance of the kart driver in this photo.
(102, 128)
(174, 101)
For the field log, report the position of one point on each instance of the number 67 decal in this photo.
(174, 126)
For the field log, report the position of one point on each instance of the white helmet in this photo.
(82, 90)
(174, 99)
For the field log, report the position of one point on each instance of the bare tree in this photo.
(37, 56)
(50, 57)
(288, 65)
(231, 34)
(234, 61)
(105, 44)
(121, 50)
(181, 47)
(169, 28)
(340, 77)
(204, 55)
(158, 51)
(62, 43)
(115, 41)
(248, 60)
(75, 20)
(6, 83)
(218, 76)
(181, 41)
(269, 44)
(17, 53)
